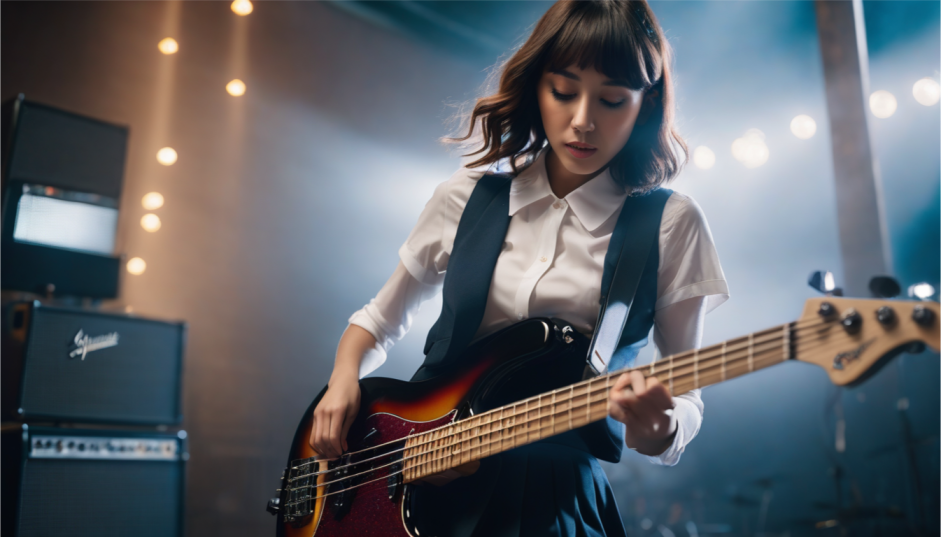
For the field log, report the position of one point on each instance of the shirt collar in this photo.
(593, 202)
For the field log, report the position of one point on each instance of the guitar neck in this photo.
(574, 406)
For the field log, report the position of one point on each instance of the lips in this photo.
(580, 149)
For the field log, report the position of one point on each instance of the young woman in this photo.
(584, 118)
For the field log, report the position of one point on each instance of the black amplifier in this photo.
(76, 365)
(92, 482)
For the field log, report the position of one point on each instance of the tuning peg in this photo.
(823, 281)
(884, 287)
(921, 291)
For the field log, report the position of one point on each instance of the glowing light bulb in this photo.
(927, 91)
(168, 45)
(166, 156)
(751, 149)
(150, 222)
(704, 158)
(921, 290)
(242, 7)
(152, 201)
(882, 103)
(236, 88)
(803, 127)
(136, 266)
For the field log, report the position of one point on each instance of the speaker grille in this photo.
(82, 498)
(58, 148)
(135, 381)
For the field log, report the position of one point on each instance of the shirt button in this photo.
(556, 205)
(543, 259)
(519, 316)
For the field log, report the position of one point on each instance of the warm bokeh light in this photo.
(236, 88)
(803, 126)
(152, 201)
(242, 7)
(150, 222)
(704, 158)
(921, 290)
(927, 91)
(136, 266)
(168, 45)
(751, 149)
(882, 103)
(166, 156)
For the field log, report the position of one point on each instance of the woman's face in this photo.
(587, 117)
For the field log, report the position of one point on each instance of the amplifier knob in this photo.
(59, 446)
(81, 446)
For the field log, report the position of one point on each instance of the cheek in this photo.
(618, 129)
(552, 115)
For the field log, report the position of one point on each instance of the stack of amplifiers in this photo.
(85, 483)
(81, 366)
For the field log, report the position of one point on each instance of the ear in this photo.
(651, 101)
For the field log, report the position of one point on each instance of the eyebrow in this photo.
(573, 76)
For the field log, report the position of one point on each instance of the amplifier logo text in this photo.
(85, 344)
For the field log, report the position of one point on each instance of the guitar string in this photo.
(775, 338)
(425, 463)
(772, 332)
(501, 428)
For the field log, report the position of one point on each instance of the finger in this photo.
(621, 412)
(622, 382)
(638, 384)
(347, 423)
(657, 395)
(316, 435)
(336, 425)
(654, 384)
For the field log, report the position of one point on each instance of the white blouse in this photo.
(551, 265)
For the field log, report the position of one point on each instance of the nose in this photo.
(582, 120)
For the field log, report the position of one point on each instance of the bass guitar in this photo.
(411, 431)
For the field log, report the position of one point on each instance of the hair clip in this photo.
(640, 13)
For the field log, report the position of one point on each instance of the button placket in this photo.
(548, 241)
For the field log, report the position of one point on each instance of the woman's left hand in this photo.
(646, 407)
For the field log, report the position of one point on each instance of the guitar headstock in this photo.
(852, 338)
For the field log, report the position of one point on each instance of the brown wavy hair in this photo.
(618, 38)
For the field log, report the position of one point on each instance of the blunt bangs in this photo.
(612, 38)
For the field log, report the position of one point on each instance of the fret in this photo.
(671, 374)
(552, 412)
(571, 404)
(786, 341)
(651, 373)
(751, 352)
(724, 356)
(588, 406)
(695, 368)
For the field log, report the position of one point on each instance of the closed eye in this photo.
(612, 105)
(562, 96)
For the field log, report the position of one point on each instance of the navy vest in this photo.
(477, 245)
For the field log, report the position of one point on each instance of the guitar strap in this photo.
(638, 228)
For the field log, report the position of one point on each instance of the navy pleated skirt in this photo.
(535, 490)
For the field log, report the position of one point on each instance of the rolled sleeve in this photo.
(689, 263)
(426, 251)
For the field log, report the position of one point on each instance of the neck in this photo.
(561, 181)
(574, 406)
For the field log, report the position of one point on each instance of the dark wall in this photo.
(279, 211)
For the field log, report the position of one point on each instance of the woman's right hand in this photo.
(334, 415)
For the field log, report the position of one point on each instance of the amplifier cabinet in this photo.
(92, 482)
(76, 365)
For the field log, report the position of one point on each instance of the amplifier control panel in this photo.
(99, 447)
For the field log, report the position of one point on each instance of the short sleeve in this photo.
(689, 263)
(426, 252)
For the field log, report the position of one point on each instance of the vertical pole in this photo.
(864, 239)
